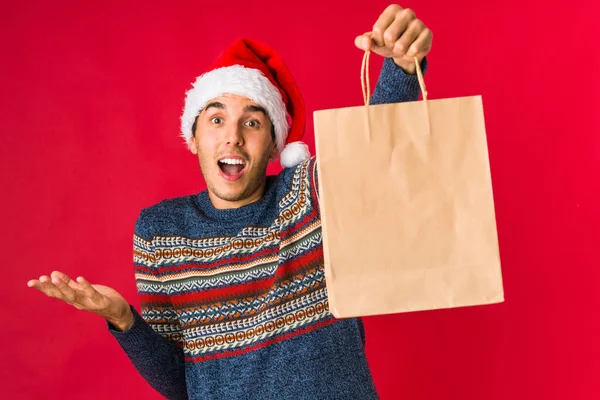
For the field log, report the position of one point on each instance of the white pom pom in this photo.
(293, 154)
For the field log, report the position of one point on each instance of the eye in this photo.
(216, 120)
(253, 123)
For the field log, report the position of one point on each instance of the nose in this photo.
(233, 135)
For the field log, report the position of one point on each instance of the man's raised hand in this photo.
(400, 35)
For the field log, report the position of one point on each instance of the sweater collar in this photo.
(237, 214)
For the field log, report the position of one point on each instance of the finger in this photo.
(422, 45)
(364, 41)
(33, 283)
(395, 31)
(74, 285)
(59, 275)
(87, 288)
(48, 288)
(383, 22)
(407, 38)
(65, 278)
(68, 294)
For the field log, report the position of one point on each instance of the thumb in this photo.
(364, 41)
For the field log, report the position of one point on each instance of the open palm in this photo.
(98, 299)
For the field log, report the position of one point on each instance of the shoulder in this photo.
(173, 206)
(305, 170)
(163, 214)
(301, 182)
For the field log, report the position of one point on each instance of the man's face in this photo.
(233, 143)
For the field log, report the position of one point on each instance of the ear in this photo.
(192, 145)
(274, 153)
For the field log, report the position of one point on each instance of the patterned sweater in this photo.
(234, 302)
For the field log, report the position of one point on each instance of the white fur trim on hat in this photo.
(293, 154)
(241, 81)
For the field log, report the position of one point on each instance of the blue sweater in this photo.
(234, 302)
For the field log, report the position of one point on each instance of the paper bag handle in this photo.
(366, 85)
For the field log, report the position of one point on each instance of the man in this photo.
(231, 282)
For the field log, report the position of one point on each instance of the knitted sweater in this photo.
(234, 302)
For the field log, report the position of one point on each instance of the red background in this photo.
(89, 114)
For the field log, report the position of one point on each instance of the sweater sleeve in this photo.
(154, 342)
(396, 86)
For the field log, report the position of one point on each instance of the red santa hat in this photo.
(251, 69)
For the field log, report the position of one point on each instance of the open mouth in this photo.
(232, 168)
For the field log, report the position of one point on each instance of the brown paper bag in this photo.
(406, 206)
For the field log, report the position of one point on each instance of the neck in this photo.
(222, 204)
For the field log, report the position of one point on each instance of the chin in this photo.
(229, 194)
(232, 196)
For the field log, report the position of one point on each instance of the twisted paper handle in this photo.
(366, 84)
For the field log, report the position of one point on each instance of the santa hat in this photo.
(251, 69)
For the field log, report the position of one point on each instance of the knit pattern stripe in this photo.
(223, 296)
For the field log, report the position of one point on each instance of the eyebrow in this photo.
(221, 106)
(214, 104)
(255, 109)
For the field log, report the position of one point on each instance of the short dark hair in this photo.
(196, 123)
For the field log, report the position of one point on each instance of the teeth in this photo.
(232, 161)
